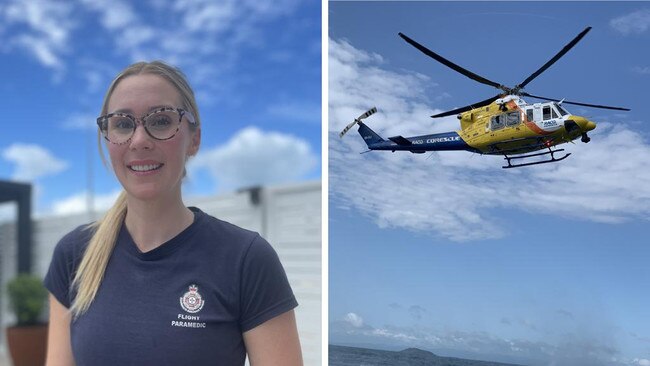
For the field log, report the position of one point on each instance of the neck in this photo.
(152, 223)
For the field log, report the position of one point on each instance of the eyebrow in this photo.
(129, 110)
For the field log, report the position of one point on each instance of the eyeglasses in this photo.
(161, 124)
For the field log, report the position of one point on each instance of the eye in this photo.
(120, 123)
(160, 121)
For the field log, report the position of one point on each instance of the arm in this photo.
(59, 349)
(274, 342)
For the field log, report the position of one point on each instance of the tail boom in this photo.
(448, 141)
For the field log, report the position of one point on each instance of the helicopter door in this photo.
(537, 113)
(549, 113)
(529, 115)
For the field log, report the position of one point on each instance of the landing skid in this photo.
(549, 152)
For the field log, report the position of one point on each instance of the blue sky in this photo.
(255, 67)
(544, 265)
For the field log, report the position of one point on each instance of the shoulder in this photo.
(226, 232)
(238, 244)
(74, 243)
(66, 258)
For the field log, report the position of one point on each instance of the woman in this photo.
(155, 282)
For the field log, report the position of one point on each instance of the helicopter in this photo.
(504, 124)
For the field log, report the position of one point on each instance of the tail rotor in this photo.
(357, 120)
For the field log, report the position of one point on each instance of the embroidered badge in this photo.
(192, 301)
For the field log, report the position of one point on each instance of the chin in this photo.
(151, 190)
(143, 194)
(147, 192)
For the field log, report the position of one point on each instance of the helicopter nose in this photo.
(585, 124)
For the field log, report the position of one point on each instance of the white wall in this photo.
(289, 217)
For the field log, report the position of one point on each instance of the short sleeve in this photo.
(62, 267)
(265, 290)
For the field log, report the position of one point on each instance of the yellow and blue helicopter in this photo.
(500, 125)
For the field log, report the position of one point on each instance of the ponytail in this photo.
(90, 273)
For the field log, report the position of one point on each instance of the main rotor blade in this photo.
(555, 58)
(467, 108)
(576, 103)
(450, 64)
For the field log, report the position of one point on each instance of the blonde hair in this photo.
(91, 270)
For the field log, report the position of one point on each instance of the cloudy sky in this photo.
(543, 265)
(255, 67)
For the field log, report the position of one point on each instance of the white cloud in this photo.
(357, 83)
(345, 53)
(254, 157)
(183, 32)
(135, 35)
(354, 319)
(41, 49)
(78, 203)
(207, 15)
(270, 8)
(202, 37)
(641, 362)
(588, 185)
(193, 28)
(97, 75)
(637, 22)
(119, 18)
(458, 194)
(397, 189)
(642, 70)
(32, 161)
(114, 14)
(49, 24)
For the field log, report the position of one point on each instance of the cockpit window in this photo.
(546, 112)
(554, 113)
(562, 111)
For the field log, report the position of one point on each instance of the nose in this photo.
(585, 124)
(141, 139)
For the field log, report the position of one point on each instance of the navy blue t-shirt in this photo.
(186, 302)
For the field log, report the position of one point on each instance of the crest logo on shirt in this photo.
(192, 302)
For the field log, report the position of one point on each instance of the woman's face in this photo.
(147, 168)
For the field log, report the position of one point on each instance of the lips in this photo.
(144, 166)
